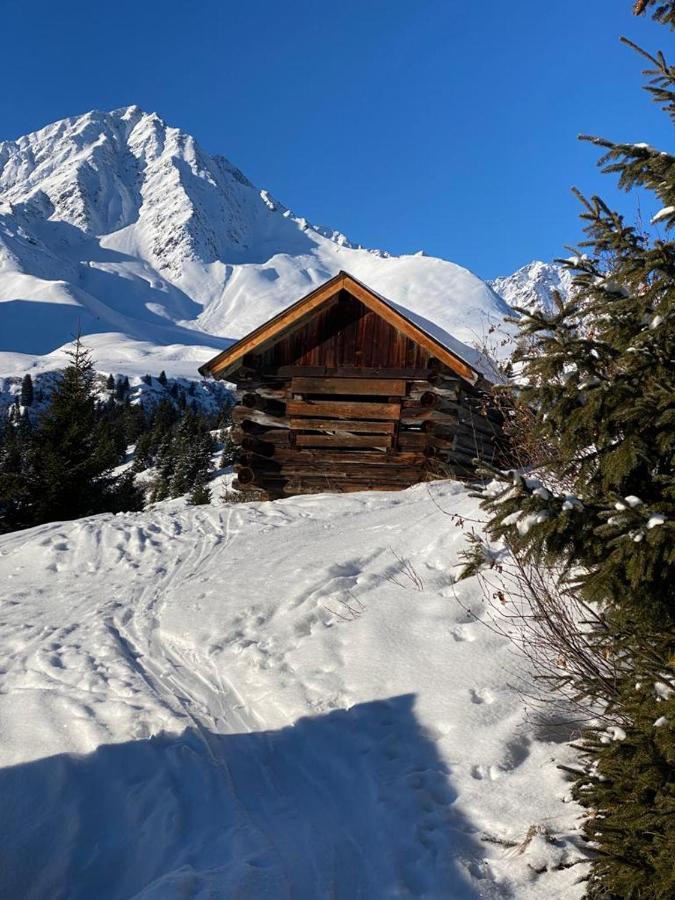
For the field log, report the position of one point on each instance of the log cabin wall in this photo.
(345, 402)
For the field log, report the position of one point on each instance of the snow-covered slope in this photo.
(532, 286)
(124, 227)
(269, 700)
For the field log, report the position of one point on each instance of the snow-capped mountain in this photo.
(533, 285)
(121, 226)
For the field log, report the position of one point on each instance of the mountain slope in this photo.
(532, 286)
(123, 226)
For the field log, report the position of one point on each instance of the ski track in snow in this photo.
(256, 701)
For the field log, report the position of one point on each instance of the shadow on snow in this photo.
(353, 804)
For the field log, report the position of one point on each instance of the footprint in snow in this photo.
(463, 633)
(482, 772)
(482, 695)
(517, 751)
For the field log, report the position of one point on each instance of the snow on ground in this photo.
(256, 701)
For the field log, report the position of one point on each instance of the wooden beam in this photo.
(343, 409)
(382, 441)
(241, 414)
(373, 386)
(357, 425)
(350, 458)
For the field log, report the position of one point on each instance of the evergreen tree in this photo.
(228, 456)
(147, 379)
(134, 422)
(122, 389)
(200, 495)
(165, 462)
(162, 378)
(72, 453)
(110, 382)
(661, 10)
(193, 447)
(27, 390)
(599, 375)
(15, 443)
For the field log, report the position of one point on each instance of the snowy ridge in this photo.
(122, 226)
(187, 711)
(531, 287)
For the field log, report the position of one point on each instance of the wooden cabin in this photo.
(345, 391)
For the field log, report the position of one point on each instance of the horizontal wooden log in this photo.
(268, 390)
(254, 400)
(247, 475)
(279, 372)
(415, 415)
(351, 458)
(242, 414)
(262, 432)
(356, 425)
(259, 461)
(364, 386)
(382, 441)
(342, 409)
(275, 436)
(431, 399)
(415, 394)
(372, 474)
(262, 448)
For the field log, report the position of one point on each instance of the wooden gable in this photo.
(341, 323)
(341, 332)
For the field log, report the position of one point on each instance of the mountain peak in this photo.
(117, 223)
(532, 286)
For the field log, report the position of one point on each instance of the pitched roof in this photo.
(442, 345)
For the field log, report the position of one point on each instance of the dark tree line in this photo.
(59, 463)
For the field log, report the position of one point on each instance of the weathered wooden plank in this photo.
(274, 436)
(242, 414)
(382, 441)
(399, 321)
(343, 409)
(373, 473)
(379, 372)
(254, 400)
(273, 390)
(350, 458)
(291, 371)
(357, 425)
(372, 386)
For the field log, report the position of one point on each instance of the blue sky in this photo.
(438, 125)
